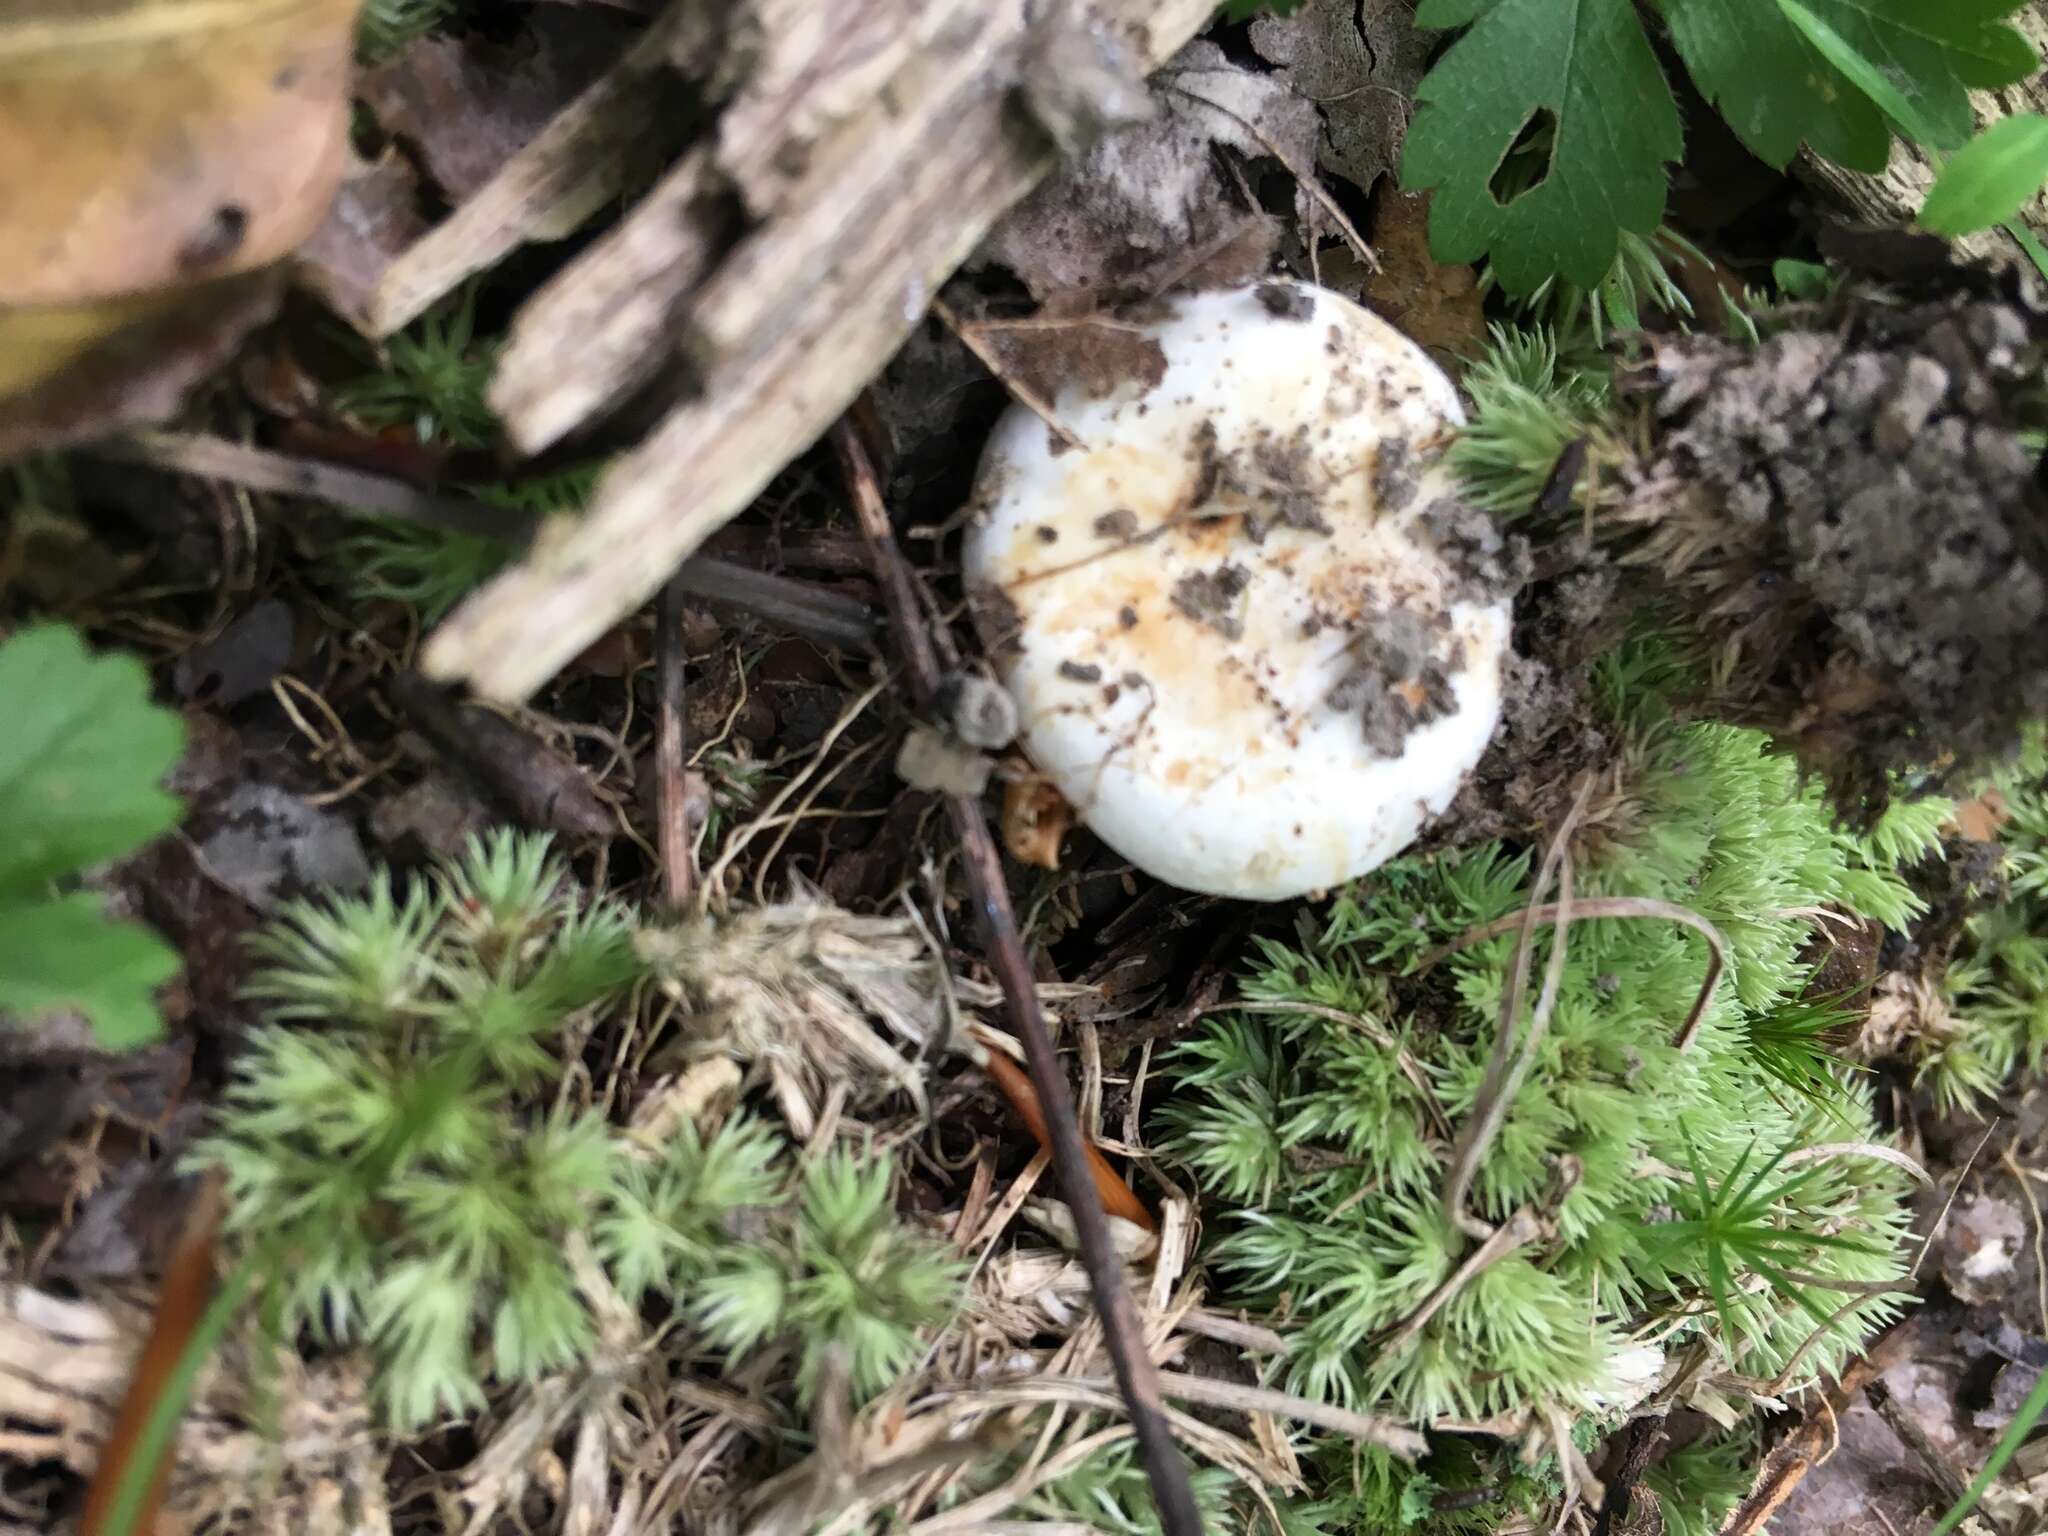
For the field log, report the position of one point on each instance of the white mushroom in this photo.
(1252, 633)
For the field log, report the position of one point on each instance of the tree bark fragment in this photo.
(867, 215)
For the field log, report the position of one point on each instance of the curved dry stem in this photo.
(1615, 906)
(1490, 1108)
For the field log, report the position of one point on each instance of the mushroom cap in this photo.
(1252, 634)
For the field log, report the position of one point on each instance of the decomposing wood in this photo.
(866, 214)
(1122, 1332)
(595, 331)
(585, 157)
(1894, 196)
(1808, 1445)
(542, 787)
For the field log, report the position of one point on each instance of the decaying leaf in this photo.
(468, 103)
(1142, 209)
(375, 215)
(147, 146)
(1359, 61)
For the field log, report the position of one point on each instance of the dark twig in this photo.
(1940, 1470)
(1136, 1374)
(1615, 906)
(674, 835)
(830, 617)
(283, 474)
(542, 787)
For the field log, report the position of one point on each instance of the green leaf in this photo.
(1585, 67)
(1918, 59)
(1773, 87)
(2022, 1425)
(1990, 179)
(80, 761)
(66, 953)
(1805, 282)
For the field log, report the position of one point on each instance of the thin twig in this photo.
(676, 838)
(1304, 176)
(830, 617)
(2033, 1209)
(1023, 393)
(283, 474)
(1504, 1067)
(1518, 1231)
(1616, 906)
(1136, 1375)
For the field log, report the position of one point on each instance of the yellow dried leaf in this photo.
(145, 144)
(150, 150)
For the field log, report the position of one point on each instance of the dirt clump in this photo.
(1854, 512)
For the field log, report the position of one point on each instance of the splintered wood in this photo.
(869, 148)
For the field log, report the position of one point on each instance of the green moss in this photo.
(1995, 1022)
(1687, 1211)
(401, 1159)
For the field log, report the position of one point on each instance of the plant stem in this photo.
(1137, 1376)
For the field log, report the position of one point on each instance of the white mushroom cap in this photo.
(1252, 634)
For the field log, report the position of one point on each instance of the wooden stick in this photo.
(675, 836)
(827, 616)
(1122, 1331)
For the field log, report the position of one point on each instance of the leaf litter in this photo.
(848, 1029)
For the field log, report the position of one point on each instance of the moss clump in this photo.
(1677, 1205)
(1988, 1019)
(405, 1171)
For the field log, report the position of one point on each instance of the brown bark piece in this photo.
(798, 317)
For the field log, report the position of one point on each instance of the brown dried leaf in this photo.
(147, 146)
(375, 215)
(1036, 817)
(1436, 305)
(1360, 61)
(148, 143)
(469, 103)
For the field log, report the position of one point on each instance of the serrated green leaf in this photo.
(1990, 179)
(80, 761)
(1773, 87)
(67, 953)
(1586, 62)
